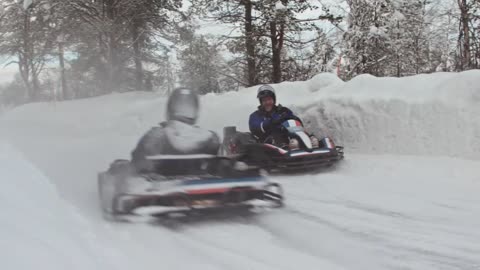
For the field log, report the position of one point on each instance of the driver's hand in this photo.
(282, 118)
(277, 121)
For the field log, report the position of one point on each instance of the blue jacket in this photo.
(260, 121)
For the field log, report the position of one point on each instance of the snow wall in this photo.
(435, 114)
(428, 114)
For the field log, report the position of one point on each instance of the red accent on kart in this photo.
(292, 123)
(211, 191)
(280, 150)
(301, 154)
(330, 143)
(333, 144)
(289, 123)
(233, 148)
(208, 191)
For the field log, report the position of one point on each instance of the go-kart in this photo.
(291, 149)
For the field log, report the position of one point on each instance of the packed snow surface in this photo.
(406, 197)
(41, 230)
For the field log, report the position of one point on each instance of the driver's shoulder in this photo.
(257, 113)
(158, 129)
(282, 109)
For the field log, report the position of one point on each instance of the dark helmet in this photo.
(266, 91)
(183, 105)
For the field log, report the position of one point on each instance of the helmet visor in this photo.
(265, 93)
(184, 106)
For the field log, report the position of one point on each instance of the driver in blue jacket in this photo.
(265, 123)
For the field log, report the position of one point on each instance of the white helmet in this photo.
(266, 91)
(183, 105)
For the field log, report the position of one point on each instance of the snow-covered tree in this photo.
(242, 40)
(28, 34)
(408, 36)
(266, 32)
(199, 68)
(367, 40)
(323, 53)
(120, 36)
(390, 37)
(469, 28)
(285, 29)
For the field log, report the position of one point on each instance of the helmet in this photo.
(183, 105)
(266, 91)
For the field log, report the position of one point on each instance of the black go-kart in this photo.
(293, 150)
(183, 185)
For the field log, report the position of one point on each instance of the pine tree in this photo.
(120, 36)
(199, 68)
(284, 30)
(468, 38)
(240, 15)
(30, 33)
(407, 32)
(367, 41)
(323, 53)
(270, 29)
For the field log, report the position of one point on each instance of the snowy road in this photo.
(374, 211)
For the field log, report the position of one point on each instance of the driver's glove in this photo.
(282, 118)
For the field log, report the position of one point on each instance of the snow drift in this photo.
(428, 114)
(38, 228)
(435, 114)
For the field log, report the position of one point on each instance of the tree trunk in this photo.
(62, 71)
(276, 54)
(112, 48)
(110, 67)
(399, 71)
(250, 44)
(35, 86)
(137, 44)
(465, 33)
(149, 83)
(417, 56)
(24, 60)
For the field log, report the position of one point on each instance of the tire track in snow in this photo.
(392, 241)
(427, 254)
(193, 239)
(318, 237)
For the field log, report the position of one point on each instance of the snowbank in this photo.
(428, 114)
(38, 229)
(435, 114)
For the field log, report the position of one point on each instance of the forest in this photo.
(83, 48)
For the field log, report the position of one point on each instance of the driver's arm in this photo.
(258, 125)
(287, 114)
(147, 146)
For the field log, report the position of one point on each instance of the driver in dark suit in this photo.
(266, 121)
